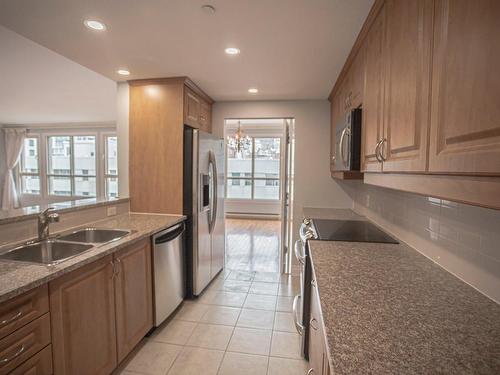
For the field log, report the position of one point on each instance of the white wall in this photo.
(122, 111)
(41, 86)
(313, 185)
(461, 238)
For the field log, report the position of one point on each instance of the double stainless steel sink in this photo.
(60, 248)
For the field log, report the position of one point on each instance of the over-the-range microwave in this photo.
(348, 142)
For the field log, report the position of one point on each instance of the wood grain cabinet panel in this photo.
(408, 50)
(372, 126)
(21, 310)
(39, 364)
(318, 352)
(133, 293)
(24, 343)
(82, 306)
(465, 125)
(192, 108)
(205, 120)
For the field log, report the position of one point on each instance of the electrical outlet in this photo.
(112, 211)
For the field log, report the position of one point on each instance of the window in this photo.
(111, 168)
(29, 168)
(255, 173)
(72, 166)
(54, 166)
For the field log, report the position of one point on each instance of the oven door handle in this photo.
(299, 254)
(295, 308)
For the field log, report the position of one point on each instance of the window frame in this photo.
(43, 134)
(72, 175)
(106, 175)
(252, 178)
(20, 173)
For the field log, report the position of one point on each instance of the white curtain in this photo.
(14, 141)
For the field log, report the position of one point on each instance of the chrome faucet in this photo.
(44, 219)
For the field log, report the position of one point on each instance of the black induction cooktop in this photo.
(350, 230)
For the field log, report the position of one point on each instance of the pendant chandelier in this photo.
(239, 141)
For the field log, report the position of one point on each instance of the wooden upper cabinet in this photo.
(465, 125)
(372, 127)
(357, 81)
(335, 115)
(192, 108)
(205, 116)
(82, 312)
(133, 294)
(408, 50)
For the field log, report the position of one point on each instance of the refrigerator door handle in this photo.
(213, 210)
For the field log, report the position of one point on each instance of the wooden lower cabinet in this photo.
(318, 353)
(82, 306)
(39, 364)
(101, 311)
(134, 299)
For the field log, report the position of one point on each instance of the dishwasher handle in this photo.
(171, 234)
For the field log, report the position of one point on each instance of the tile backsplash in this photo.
(463, 239)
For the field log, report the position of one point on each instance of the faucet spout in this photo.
(44, 219)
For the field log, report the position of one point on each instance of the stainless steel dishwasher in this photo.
(168, 269)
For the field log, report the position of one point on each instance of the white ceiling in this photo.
(290, 49)
(40, 86)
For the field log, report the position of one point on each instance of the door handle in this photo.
(381, 149)
(213, 211)
(298, 254)
(377, 147)
(299, 327)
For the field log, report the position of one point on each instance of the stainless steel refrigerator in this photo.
(204, 207)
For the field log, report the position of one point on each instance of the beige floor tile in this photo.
(286, 344)
(175, 332)
(241, 275)
(283, 321)
(191, 311)
(221, 315)
(211, 336)
(287, 366)
(268, 277)
(256, 319)
(288, 290)
(207, 297)
(250, 341)
(235, 286)
(154, 358)
(259, 287)
(214, 285)
(197, 361)
(284, 304)
(260, 302)
(243, 364)
(229, 299)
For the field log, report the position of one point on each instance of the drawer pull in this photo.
(11, 319)
(313, 320)
(4, 361)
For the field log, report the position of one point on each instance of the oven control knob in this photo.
(306, 221)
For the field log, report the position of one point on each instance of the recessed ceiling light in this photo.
(123, 72)
(232, 51)
(253, 90)
(208, 9)
(95, 25)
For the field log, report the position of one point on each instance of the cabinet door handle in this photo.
(11, 319)
(6, 360)
(381, 149)
(312, 322)
(311, 372)
(377, 156)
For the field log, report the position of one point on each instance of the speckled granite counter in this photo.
(17, 277)
(388, 309)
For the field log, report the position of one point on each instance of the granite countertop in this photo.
(18, 277)
(387, 309)
(331, 213)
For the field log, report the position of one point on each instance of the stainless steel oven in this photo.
(348, 142)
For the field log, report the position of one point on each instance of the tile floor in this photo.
(241, 325)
